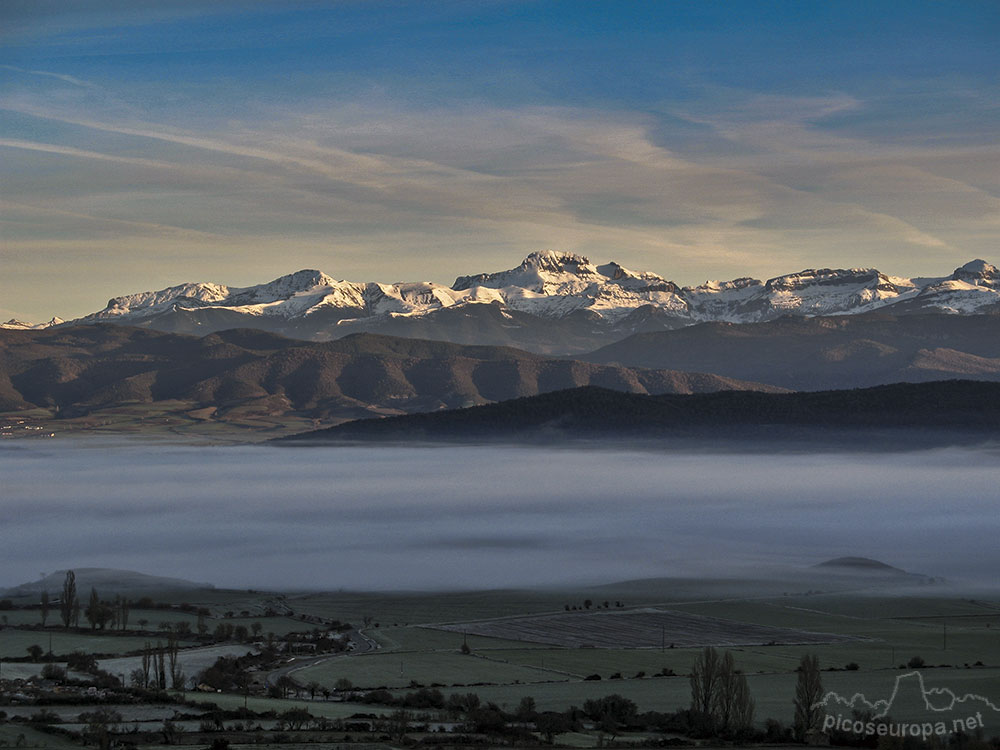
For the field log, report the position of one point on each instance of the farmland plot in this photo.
(645, 628)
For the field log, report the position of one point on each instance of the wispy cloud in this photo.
(58, 76)
(351, 183)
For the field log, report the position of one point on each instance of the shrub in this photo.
(53, 672)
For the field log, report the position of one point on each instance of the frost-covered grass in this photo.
(839, 607)
(17, 617)
(399, 609)
(640, 628)
(427, 639)
(192, 661)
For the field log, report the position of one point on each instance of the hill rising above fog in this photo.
(106, 581)
(911, 414)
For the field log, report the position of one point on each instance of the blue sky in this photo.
(143, 144)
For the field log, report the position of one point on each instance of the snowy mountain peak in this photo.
(978, 266)
(556, 274)
(824, 277)
(537, 273)
(979, 273)
(19, 325)
(282, 288)
(155, 301)
(555, 261)
(713, 287)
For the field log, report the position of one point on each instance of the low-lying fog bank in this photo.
(475, 517)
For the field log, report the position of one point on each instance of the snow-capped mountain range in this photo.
(550, 286)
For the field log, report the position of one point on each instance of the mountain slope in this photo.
(910, 411)
(828, 352)
(84, 369)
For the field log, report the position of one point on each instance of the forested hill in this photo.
(971, 408)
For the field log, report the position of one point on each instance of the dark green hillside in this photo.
(964, 406)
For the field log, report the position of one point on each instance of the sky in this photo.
(148, 143)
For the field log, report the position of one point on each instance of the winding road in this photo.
(363, 645)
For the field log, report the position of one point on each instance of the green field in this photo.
(11, 736)
(957, 637)
(14, 643)
(426, 639)
(399, 669)
(329, 709)
(773, 693)
(890, 629)
(399, 609)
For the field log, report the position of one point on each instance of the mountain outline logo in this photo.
(879, 723)
(937, 700)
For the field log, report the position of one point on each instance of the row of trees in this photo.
(99, 613)
(160, 667)
(102, 614)
(721, 702)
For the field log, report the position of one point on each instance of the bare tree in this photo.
(68, 601)
(147, 663)
(45, 607)
(720, 694)
(744, 707)
(808, 694)
(161, 668)
(704, 674)
(91, 611)
(725, 693)
(123, 607)
(176, 674)
(97, 612)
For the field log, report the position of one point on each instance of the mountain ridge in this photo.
(567, 302)
(833, 352)
(81, 370)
